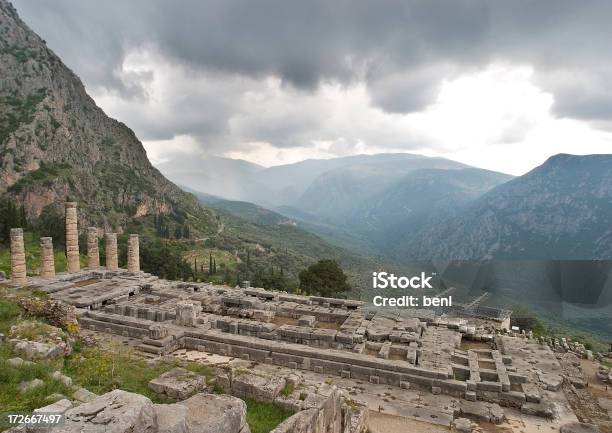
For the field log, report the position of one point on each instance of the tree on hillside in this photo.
(11, 216)
(324, 278)
(527, 319)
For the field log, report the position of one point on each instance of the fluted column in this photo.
(72, 238)
(112, 262)
(18, 261)
(93, 251)
(133, 254)
(47, 260)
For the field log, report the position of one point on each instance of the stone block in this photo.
(178, 383)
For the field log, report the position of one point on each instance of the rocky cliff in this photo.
(56, 143)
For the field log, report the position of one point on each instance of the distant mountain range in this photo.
(411, 207)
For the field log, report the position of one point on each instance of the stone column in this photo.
(133, 254)
(93, 252)
(112, 262)
(18, 261)
(47, 261)
(72, 238)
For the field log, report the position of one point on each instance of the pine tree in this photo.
(210, 264)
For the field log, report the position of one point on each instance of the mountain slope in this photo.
(57, 144)
(418, 200)
(560, 210)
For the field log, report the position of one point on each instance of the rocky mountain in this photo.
(57, 144)
(560, 210)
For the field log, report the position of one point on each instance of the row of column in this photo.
(47, 262)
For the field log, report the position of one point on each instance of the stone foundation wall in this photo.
(334, 415)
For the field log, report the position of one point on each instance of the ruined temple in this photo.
(468, 357)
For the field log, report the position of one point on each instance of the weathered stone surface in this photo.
(544, 410)
(60, 406)
(579, 427)
(34, 350)
(29, 385)
(47, 260)
(178, 383)
(133, 254)
(186, 314)
(171, 418)
(114, 412)
(18, 262)
(490, 412)
(211, 413)
(307, 320)
(259, 387)
(112, 259)
(72, 238)
(157, 332)
(552, 382)
(93, 249)
(83, 395)
(462, 425)
(56, 375)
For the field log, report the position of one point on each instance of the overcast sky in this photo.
(496, 84)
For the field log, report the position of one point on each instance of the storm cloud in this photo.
(222, 55)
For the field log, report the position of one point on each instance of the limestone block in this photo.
(114, 412)
(259, 387)
(178, 383)
(211, 413)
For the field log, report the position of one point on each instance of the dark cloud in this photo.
(401, 49)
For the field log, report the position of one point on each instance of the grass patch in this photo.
(11, 400)
(102, 370)
(288, 389)
(9, 312)
(264, 417)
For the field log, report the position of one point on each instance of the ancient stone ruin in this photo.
(18, 261)
(47, 260)
(112, 259)
(470, 364)
(72, 238)
(93, 251)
